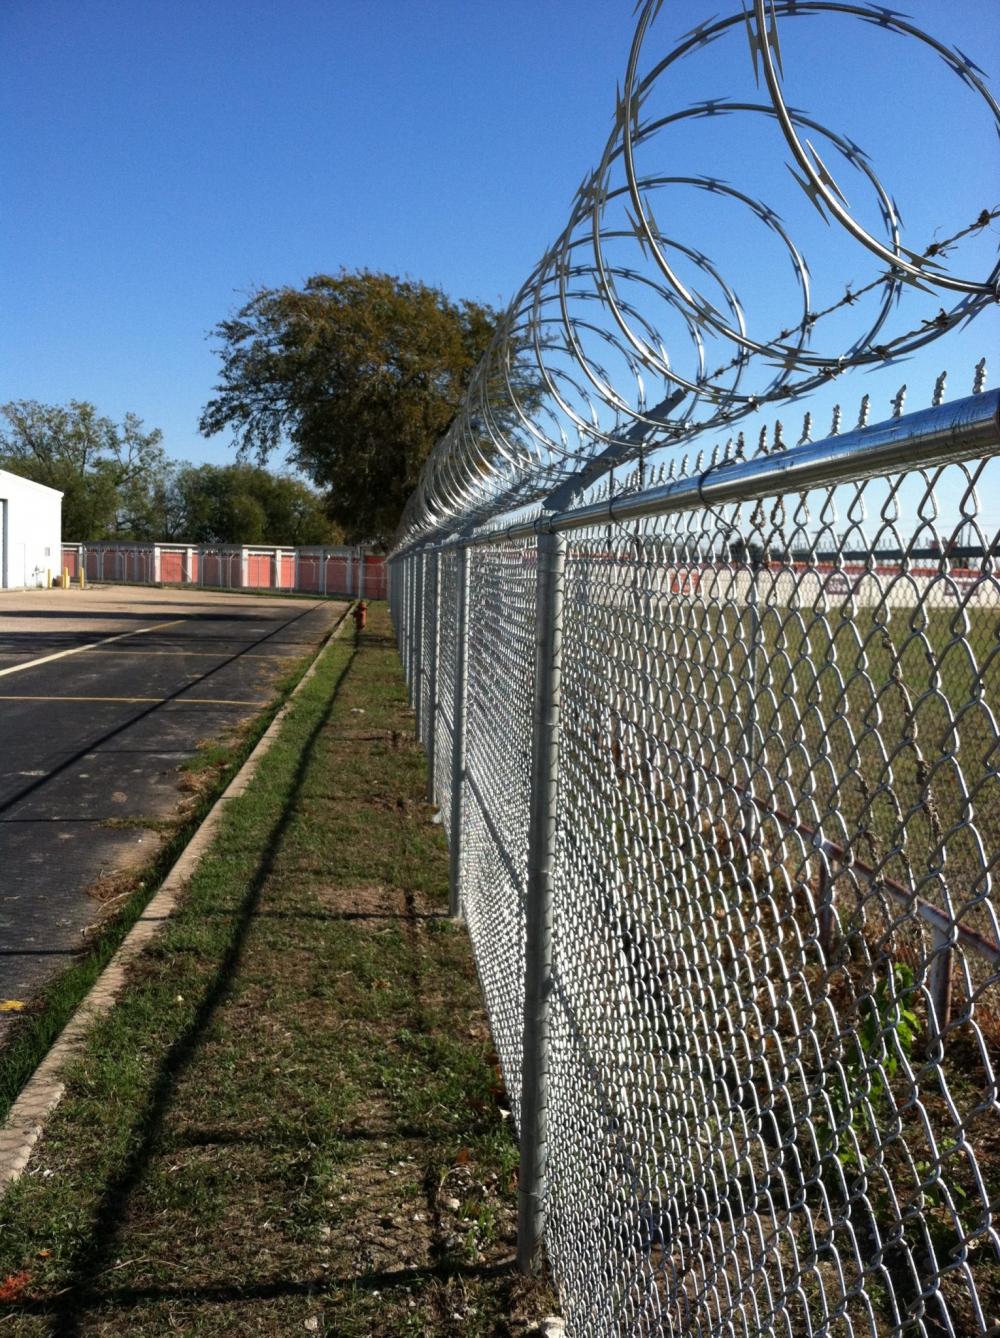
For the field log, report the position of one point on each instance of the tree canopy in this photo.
(102, 468)
(208, 504)
(117, 483)
(358, 374)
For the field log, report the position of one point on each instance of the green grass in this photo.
(294, 1114)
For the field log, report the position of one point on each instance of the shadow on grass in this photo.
(67, 1310)
(321, 1285)
(404, 1132)
(339, 915)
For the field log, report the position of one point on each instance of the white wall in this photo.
(30, 531)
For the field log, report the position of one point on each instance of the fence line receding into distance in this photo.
(715, 739)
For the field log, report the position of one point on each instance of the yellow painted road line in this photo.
(210, 701)
(204, 654)
(193, 654)
(173, 701)
(78, 650)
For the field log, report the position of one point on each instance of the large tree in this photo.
(106, 471)
(239, 504)
(358, 374)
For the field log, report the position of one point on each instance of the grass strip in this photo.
(48, 1013)
(293, 1121)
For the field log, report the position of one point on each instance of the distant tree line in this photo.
(117, 483)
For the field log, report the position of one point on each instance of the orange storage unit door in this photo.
(374, 577)
(260, 571)
(171, 568)
(336, 576)
(309, 571)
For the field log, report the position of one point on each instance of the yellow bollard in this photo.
(83, 579)
(48, 578)
(65, 578)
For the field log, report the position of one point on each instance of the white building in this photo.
(30, 532)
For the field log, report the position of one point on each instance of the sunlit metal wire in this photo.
(619, 305)
(722, 734)
(772, 1100)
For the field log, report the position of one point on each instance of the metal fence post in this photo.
(432, 672)
(754, 661)
(418, 644)
(408, 622)
(539, 899)
(458, 727)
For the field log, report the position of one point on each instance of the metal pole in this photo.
(458, 727)
(944, 434)
(755, 560)
(432, 673)
(539, 901)
(408, 622)
(418, 643)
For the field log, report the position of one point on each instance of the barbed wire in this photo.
(852, 295)
(561, 393)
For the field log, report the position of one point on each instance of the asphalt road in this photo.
(104, 694)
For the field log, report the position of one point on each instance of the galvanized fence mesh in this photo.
(443, 712)
(497, 787)
(767, 1076)
(717, 751)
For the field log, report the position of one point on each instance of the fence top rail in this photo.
(940, 435)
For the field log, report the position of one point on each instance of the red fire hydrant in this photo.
(360, 615)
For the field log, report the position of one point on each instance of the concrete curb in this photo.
(45, 1088)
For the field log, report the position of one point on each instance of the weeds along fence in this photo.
(719, 779)
(346, 571)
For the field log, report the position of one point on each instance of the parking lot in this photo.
(105, 694)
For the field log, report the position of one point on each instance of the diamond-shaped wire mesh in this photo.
(498, 784)
(447, 656)
(775, 1010)
(427, 631)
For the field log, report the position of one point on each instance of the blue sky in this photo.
(161, 160)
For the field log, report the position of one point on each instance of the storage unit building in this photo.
(30, 532)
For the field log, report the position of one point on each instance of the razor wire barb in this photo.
(715, 738)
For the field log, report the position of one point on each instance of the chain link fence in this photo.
(766, 1075)
(715, 740)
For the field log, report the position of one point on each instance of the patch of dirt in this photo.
(375, 901)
